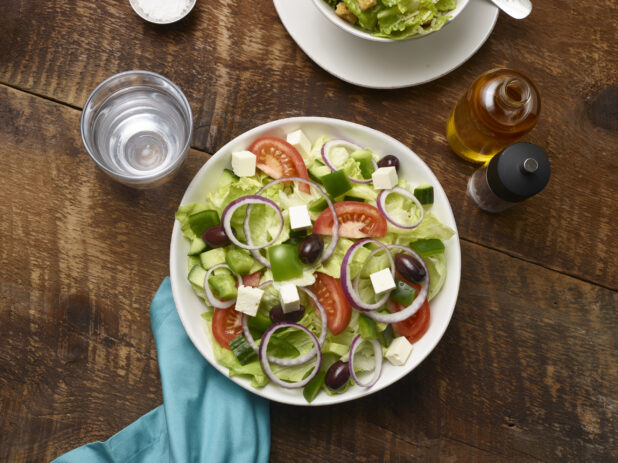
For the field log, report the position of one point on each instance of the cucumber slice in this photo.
(242, 350)
(213, 257)
(424, 193)
(318, 170)
(224, 286)
(227, 177)
(193, 260)
(197, 275)
(197, 246)
(239, 260)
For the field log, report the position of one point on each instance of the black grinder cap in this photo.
(518, 172)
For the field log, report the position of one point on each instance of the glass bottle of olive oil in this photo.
(498, 109)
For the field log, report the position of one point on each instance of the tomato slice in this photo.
(356, 220)
(330, 294)
(277, 158)
(226, 325)
(414, 327)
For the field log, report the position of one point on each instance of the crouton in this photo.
(365, 4)
(344, 13)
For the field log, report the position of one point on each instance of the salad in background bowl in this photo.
(309, 310)
(390, 20)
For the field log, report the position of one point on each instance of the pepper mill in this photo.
(514, 174)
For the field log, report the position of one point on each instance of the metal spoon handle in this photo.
(518, 9)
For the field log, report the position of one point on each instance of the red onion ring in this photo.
(329, 145)
(377, 352)
(335, 236)
(418, 301)
(210, 297)
(226, 219)
(264, 357)
(301, 358)
(349, 290)
(403, 192)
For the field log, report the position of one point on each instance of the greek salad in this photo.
(395, 19)
(316, 261)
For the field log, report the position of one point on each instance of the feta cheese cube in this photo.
(399, 351)
(299, 141)
(385, 178)
(299, 217)
(290, 300)
(382, 281)
(248, 299)
(243, 163)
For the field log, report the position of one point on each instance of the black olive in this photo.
(337, 375)
(310, 249)
(409, 268)
(277, 315)
(216, 237)
(388, 161)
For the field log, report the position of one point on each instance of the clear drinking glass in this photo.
(137, 127)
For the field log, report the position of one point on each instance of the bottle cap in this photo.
(518, 172)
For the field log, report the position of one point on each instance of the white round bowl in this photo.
(412, 168)
(330, 14)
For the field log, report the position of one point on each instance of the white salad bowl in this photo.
(190, 307)
(330, 14)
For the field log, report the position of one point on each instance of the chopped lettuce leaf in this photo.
(437, 274)
(316, 151)
(351, 168)
(402, 210)
(226, 358)
(332, 266)
(446, 5)
(306, 279)
(182, 215)
(399, 19)
(430, 227)
(364, 191)
(366, 19)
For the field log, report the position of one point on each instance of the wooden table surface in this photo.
(527, 370)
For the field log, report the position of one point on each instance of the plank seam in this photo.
(539, 264)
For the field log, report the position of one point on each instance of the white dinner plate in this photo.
(387, 65)
(190, 307)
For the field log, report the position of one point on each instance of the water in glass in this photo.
(139, 131)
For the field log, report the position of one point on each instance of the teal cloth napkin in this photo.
(205, 417)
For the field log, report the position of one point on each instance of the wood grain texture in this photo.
(525, 372)
(240, 68)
